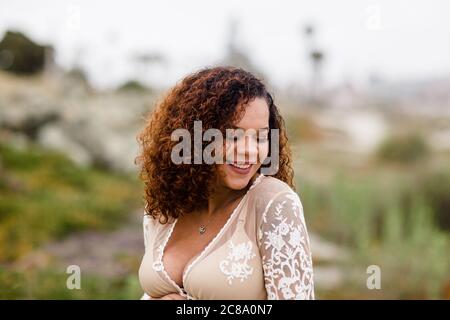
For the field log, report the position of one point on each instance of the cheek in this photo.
(220, 169)
(229, 148)
(263, 150)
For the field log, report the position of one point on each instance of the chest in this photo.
(185, 243)
(221, 264)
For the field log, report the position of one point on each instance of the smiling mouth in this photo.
(241, 166)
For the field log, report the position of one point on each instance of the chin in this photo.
(236, 185)
(238, 176)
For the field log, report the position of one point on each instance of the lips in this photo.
(241, 168)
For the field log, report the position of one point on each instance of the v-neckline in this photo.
(189, 265)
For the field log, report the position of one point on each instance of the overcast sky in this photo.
(398, 40)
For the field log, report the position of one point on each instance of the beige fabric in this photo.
(262, 252)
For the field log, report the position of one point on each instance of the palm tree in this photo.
(316, 57)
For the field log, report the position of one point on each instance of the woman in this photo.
(225, 230)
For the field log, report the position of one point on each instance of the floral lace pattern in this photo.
(236, 263)
(284, 242)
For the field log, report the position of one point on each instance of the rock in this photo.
(91, 129)
(27, 119)
(54, 137)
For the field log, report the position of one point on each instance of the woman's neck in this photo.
(223, 197)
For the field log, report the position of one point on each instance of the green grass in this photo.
(44, 196)
(52, 284)
(404, 148)
(391, 223)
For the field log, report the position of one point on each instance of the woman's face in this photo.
(247, 147)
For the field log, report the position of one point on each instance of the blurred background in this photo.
(364, 87)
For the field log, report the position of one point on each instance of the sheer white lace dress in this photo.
(262, 252)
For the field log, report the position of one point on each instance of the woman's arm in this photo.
(285, 250)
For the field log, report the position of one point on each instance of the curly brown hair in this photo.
(217, 97)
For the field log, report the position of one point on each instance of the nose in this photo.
(247, 151)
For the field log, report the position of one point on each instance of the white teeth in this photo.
(242, 166)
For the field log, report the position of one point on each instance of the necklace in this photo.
(202, 228)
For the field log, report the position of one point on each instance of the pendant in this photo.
(202, 229)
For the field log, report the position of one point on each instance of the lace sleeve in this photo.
(146, 224)
(285, 251)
